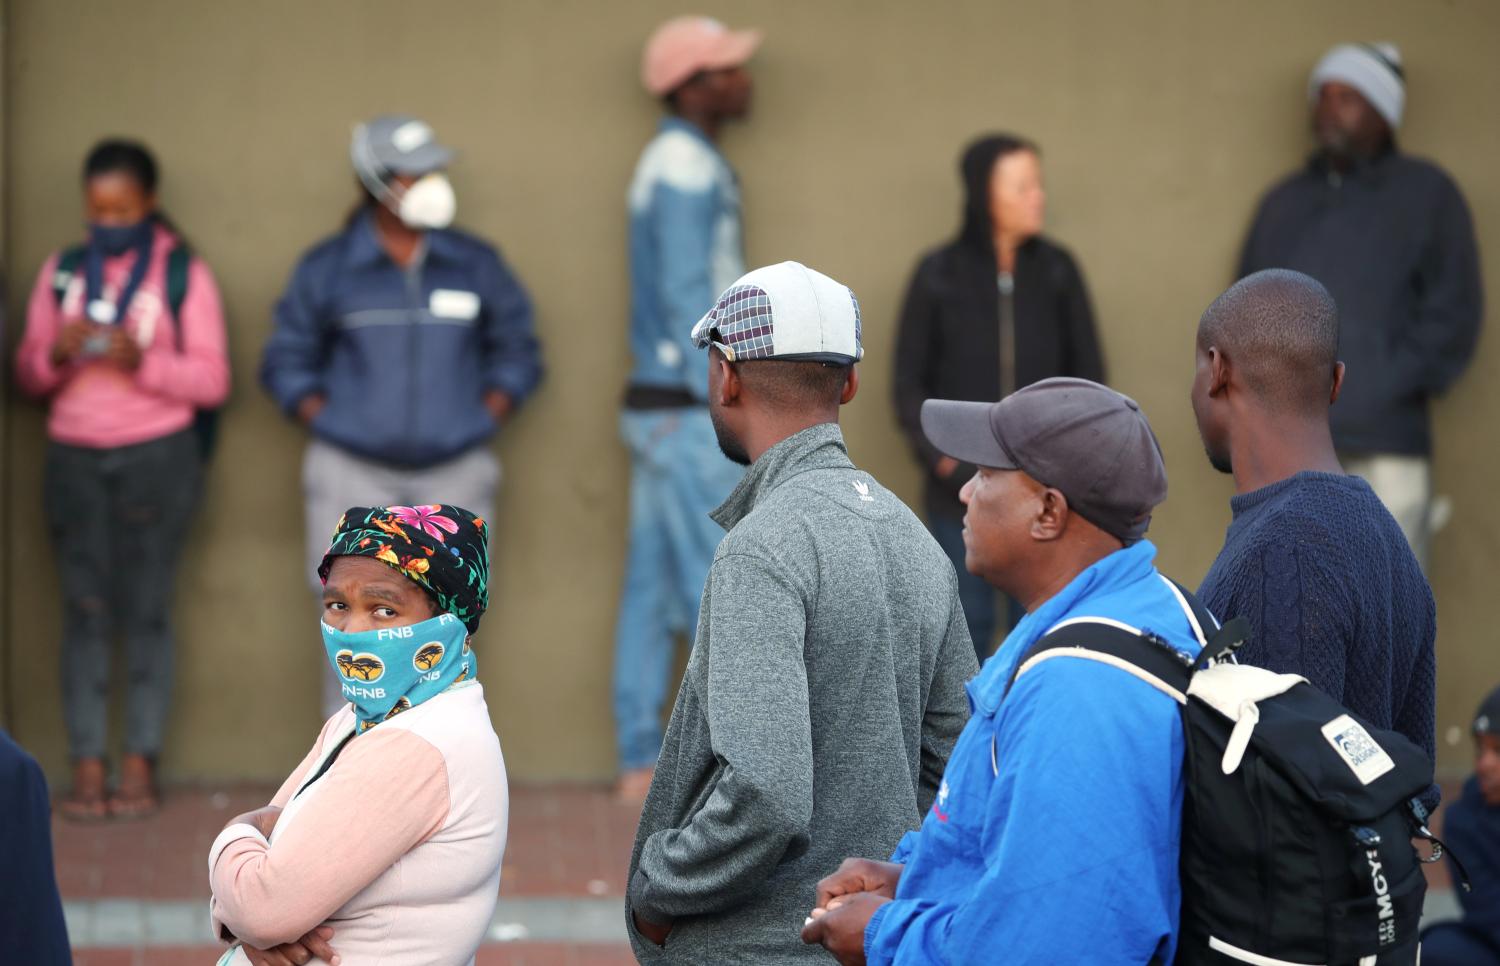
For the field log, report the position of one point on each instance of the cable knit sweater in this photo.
(1332, 592)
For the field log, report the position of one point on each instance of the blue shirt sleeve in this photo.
(1471, 832)
(684, 227)
(904, 847)
(1083, 815)
(32, 929)
(512, 356)
(292, 364)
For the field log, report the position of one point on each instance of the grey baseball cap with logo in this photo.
(1086, 440)
(398, 144)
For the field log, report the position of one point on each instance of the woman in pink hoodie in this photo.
(125, 340)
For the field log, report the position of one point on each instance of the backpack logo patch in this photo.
(1360, 752)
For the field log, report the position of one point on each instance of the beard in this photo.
(1219, 461)
(1335, 142)
(729, 444)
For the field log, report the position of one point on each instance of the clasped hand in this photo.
(846, 902)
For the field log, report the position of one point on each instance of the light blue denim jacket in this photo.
(685, 249)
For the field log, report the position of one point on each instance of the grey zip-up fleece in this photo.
(822, 698)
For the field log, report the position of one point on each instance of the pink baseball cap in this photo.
(685, 45)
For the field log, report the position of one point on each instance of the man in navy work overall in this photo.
(1054, 837)
(402, 344)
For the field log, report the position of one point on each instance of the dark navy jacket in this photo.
(403, 357)
(1393, 243)
(1472, 828)
(32, 929)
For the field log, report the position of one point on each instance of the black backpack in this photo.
(1298, 817)
(206, 421)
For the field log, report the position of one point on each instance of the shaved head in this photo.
(1280, 331)
(792, 385)
(755, 403)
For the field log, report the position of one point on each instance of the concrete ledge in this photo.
(112, 923)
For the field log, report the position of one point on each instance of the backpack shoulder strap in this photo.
(1204, 623)
(1142, 654)
(178, 261)
(1219, 641)
(67, 267)
(1137, 653)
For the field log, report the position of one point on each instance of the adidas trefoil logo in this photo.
(863, 489)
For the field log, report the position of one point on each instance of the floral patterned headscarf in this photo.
(443, 548)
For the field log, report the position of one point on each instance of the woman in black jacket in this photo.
(998, 308)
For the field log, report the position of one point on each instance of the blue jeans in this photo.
(981, 601)
(1454, 944)
(677, 477)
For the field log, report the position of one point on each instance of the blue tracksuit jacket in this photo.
(1055, 835)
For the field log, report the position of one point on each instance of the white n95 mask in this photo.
(429, 203)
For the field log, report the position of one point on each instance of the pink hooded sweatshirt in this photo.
(184, 366)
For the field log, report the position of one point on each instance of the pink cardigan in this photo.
(100, 406)
(397, 846)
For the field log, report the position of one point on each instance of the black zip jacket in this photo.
(1393, 243)
(948, 344)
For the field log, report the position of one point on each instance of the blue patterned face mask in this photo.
(392, 669)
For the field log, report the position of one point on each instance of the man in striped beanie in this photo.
(1373, 73)
(1471, 826)
(1389, 235)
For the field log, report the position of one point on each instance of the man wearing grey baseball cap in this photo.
(826, 683)
(1054, 838)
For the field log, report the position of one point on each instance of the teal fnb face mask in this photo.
(386, 671)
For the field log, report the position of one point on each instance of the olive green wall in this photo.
(1161, 123)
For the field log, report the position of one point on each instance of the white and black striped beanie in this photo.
(1487, 718)
(1372, 69)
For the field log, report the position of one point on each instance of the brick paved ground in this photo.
(565, 842)
(514, 954)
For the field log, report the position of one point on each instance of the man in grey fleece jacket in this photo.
(825, 687)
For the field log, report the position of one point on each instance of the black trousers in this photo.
(118, 519)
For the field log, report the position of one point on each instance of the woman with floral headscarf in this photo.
(386, 842)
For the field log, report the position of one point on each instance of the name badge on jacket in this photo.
(452, 303)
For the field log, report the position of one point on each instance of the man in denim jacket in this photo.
(684, 250)
(1054, 837)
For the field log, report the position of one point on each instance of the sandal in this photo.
(85, 802)
(135, 796)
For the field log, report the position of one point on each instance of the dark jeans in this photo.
(981, 601)
(1454, 944)
(118, 518)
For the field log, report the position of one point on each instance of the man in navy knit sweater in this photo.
(1312, 558)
